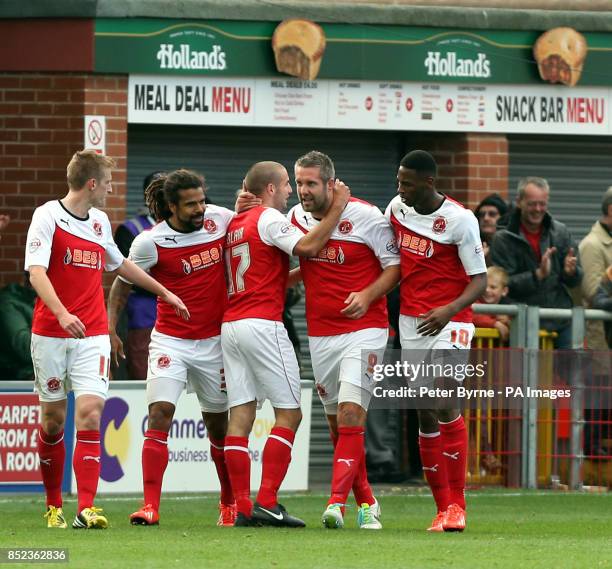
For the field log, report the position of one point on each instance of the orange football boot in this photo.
(146, 516)
(455, 518)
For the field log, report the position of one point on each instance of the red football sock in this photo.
(361, 487)
(218, 456)
(154, 463)
(347, 455)
(454, 447)
(238, 464)
(275, 462)
(434, 467)
(86, 464)
(52, 453)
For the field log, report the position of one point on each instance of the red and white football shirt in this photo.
(360, 247)
(257, 248)
(438, 253)
(74, 251)
(191, 266)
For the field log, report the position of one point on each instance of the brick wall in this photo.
(41, 126)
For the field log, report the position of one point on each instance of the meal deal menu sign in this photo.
(369, 105)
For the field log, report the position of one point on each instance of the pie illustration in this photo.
(560, 54)
(298, 47)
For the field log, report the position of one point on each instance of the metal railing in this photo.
(525, 334)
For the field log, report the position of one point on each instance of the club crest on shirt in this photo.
(439, 225)
(163, 362)
(53, 384)
(97, 227)
(345, 226)
(210, 225)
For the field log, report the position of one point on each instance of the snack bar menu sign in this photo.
(369, 105)
(347, 52)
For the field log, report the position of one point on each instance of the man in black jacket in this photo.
(538, 254)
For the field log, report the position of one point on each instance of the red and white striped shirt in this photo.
(257, 248)
(360, 247)
(75, 251)
(438, 253)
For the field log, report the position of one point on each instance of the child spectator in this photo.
(497, 289)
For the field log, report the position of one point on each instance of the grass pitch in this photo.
(526, 530)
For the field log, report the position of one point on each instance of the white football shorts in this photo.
(346, 358)
(62, 365)
(260, 363)
(177, 363)
(455, 335)
(450, 346)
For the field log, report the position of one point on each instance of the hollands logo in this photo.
(115, 439)
(183, 57)
(449, 65)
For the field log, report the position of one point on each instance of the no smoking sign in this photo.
(95, 133)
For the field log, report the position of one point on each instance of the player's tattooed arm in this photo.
(117, 299)
(134, 274)
(315, 239)
(45, 291)
(359, 302)
(434, 320)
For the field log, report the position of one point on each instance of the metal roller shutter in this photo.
(366, 161)
(578, 169)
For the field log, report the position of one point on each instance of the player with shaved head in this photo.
(259, 359)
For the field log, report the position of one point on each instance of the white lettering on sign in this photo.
(449, 65)
(183, 57)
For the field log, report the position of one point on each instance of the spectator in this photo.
(603, 300)
(596, 256)
(497, 290)
(488, 213)
(141, 305)
(17, 303)
(538, 254)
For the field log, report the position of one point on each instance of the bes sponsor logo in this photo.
(163, 362)
(439, 225)
(184, 57)
(417, 245)
(202, 260)
(330, 255)
(210, 225)
(83, 258)
(53, 384)
(449, 65)
(345, 226)
(97, 227)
